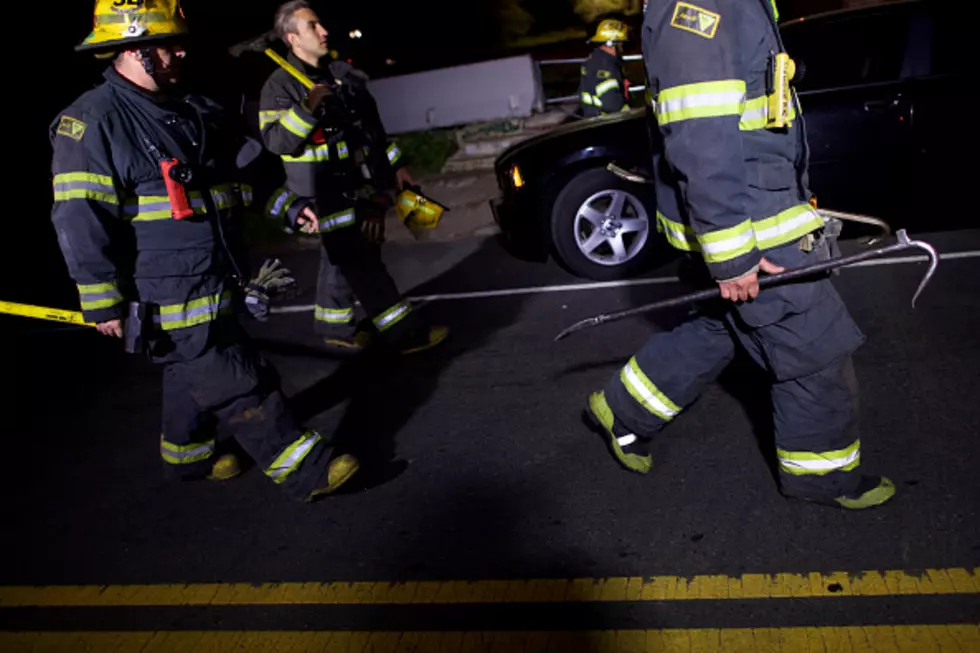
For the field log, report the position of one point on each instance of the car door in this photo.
(944, 137)
(855, 107)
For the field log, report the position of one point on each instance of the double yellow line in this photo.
(824, 586)
(599, 590)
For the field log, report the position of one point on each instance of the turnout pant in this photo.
(802, 335)
(352, 268)
(229, 387)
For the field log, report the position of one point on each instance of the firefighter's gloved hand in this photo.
(315, 97)
(271, 279)
(374, 229)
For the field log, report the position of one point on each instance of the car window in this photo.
(948, 46)
(848, 50)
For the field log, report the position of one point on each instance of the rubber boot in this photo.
(871, 492)
(340, 470)
(629, 450)
(225, 467)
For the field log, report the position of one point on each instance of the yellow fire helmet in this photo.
(611, 31)
(122, 23)
(417, 211)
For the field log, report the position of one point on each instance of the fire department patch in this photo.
(71, 127)
(692, 18)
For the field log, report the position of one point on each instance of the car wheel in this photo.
(604, 227)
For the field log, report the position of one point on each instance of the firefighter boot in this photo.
(629, 449)
(340, 470)
(425, 339)
(225, 467)
(871, 492)
(421, 340)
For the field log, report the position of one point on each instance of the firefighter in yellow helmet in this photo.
(146, 218)
(603, 86)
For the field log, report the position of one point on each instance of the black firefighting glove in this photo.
(271, 279)
(373, 218)
(374, 229)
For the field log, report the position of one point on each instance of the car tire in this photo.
(604, 227)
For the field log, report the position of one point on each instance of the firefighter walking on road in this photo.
(341, 174)
(603, 86)
(730, 161)
(148, 198)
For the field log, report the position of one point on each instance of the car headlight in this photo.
(515, 177)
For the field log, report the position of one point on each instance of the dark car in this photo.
(888, 120)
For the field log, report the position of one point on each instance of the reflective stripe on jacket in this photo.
(727, 186)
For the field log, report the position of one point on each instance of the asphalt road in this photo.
(478, 468)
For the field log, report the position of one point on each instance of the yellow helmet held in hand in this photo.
(417, 211)
(611, 31)
(122, 23)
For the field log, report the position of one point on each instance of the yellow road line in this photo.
(603, 590)
(864, 639)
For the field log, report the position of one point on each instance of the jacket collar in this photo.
(315, 74)
(112, 76)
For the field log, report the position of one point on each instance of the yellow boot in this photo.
(225, 467)
(341, 469)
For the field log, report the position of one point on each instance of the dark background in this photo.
(415, 36)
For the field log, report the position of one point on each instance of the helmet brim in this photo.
(119, 45)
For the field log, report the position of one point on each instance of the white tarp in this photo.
(447, 97)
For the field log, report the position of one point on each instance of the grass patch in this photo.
(426, 152)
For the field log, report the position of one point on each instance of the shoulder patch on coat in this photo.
(71, 127)
(692, 18)
(603, 74)
(284, 102)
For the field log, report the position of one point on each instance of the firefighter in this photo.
(128, 234)
(730, 156)
(341, 171)
(603, 89)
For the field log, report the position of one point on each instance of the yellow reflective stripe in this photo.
(84, 186)
(269, 117)
(642, 389)
(727, 244)
(680, 236)
(337, 220)
(293, 123)
(146, 208)
(807, 463)
(606, 86)
(394, 153)
(756, 112)
(333, 315)
(342, 151)
(392, 316)
(279, 203)
(194, 312)
(185, 454)
(310, 154)
(587, 98)
(292, 457)
(98, 295)
(700, 100)
(786, 226)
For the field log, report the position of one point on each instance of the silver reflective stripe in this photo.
(333, 315)
(626, 440)
(387, 319)
(820, 464)
(720, 98)
(197, 311)
(336, 221)
(287, 462)
(63, 186)
(185, 454)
